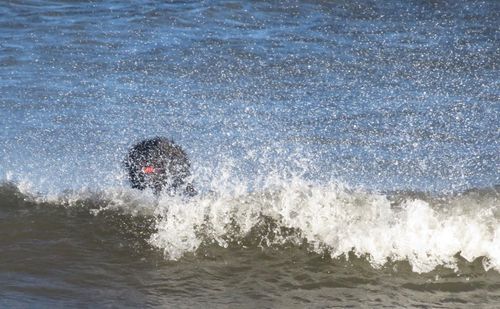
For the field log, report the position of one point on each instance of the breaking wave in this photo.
(330, 219)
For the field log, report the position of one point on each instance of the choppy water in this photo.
(346, 153)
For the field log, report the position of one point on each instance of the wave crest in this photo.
(337, 221)
(424, 230)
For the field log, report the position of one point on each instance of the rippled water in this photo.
(346, 153)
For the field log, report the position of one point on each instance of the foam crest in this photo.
(328, 219)
(335, 220)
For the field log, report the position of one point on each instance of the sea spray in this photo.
(333, 219)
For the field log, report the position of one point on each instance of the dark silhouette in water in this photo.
(159, 164)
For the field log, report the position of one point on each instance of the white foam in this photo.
(329, 218)
(337, 220)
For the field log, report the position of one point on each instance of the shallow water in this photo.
(345, 153)
(113, 250)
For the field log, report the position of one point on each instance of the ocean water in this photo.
(346, 153)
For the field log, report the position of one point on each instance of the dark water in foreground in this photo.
(346, 153)
(245, 252)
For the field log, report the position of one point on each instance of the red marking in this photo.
(148, 170)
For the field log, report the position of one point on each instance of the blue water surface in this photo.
(387, 95)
